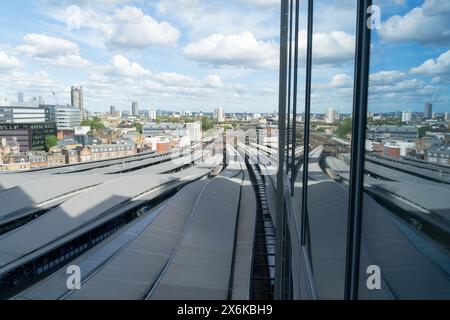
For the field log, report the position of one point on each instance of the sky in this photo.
(201, 54)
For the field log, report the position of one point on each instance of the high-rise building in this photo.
(20, 97)
(406, 116)
(152, 114)
(219, 114)
(66, 117)
(40, 100)
(428, 112)
(447, 116)
(135, 108)
(112, 110)
(76, 94)
(330, 115)
(194, 131)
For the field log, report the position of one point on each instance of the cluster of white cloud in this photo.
(123, 28)
(237, 50)
(227, 39)
(134, 29)
(435, 67)
(53, 51)
(8, 62)
(427, 24)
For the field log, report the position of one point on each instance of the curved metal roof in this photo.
(81, 211)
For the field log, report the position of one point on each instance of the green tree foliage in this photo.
(50, 142)
(345, 128)
(139, 127)
(95, 124)
(423, 131)
(206, 124)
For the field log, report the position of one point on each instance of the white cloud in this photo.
(34, 84)
(435, 67)
(122, 67)
(342, 81)
(43, 46)
(106, 24)
(428, 24)
(242, 50)
(8, 62)
(330, 48)
(172, 79)
(409, 85)
(200, 19)
(53, 51)
(386, 77)
(134, 29)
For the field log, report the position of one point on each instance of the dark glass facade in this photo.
(29, 136)
(368, 215)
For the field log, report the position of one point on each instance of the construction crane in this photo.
(56, 98)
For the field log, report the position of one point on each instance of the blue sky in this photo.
(197, 55)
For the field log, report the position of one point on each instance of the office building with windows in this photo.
(194, 131)
(77, 99)
(428, 111)
(135, 109)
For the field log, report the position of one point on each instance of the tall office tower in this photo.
(428, 112)
(135, 109)
(40, 100)
(406, 116)
(20, 97)
(330, 116)
(447, 116)
(219, 114)
(152, 114)
(112, 110)
(76, 94)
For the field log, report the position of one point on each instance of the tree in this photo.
(206, 124)
(345, 129)
(50, 142)
(139, 127)
(95, 124)
(423, 131)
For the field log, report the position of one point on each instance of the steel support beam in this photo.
(280, 212)
(294, 106)
(307, 120)
(362, 64)
(291, 2)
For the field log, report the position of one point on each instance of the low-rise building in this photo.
(14, 163)
(408, 133)
(438, 154)
(72, 155)
(37, 160)
(9, 147)
(55, 157)
(106, 151)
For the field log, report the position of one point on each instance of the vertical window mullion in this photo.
(356, 192)
(307, 120)
(294, 106)
(280, 212)
(289, 82)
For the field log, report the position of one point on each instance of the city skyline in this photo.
(185, 61)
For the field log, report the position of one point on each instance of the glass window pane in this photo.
(330, 137)
(407, 187)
